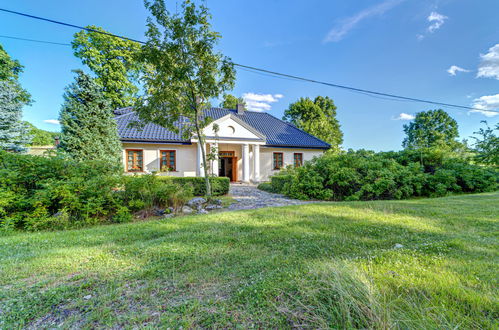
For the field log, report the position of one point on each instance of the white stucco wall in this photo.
(266, 159)
(186, 157)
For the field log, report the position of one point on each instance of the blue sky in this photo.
(444, 50)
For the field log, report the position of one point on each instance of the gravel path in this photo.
(250, 197)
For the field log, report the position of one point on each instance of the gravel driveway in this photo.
(250, 197)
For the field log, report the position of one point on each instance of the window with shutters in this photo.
(168, 160)
(135, 160)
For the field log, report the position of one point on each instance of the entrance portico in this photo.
(233, 150)
(233, 159)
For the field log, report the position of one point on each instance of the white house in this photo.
(251, 146)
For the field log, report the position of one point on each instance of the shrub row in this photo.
(365, 175)
(55, 193)
(219, 185)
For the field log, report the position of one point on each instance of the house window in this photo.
(134, 160)
(168, 160)
(278, 160)
(298, 159)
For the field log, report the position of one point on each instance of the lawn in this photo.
(317, 265)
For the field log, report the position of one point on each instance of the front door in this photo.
(227, 165)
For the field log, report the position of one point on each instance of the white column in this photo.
(214, 169)
(199, 158)
(256, 162)
(246, 167)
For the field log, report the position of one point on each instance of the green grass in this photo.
(317, 265)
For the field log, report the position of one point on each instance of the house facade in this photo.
(249, 146)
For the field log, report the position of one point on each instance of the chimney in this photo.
(240, 108)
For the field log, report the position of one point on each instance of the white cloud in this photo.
(404, 116)
(52, 121)
(454, 69)
(437, 21)
(489, 66)
(342, 28)
(487, 102)
(260, 102)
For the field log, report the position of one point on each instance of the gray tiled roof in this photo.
(276, 131)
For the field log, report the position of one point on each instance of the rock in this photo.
(87, 297)
(168, 216)
(170, 210)
(195, 202)
(211, 207)
(202, 211)
(187, 210)
(158, 212)
(216, 201)
(398, 246)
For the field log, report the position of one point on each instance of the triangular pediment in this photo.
(231, 128)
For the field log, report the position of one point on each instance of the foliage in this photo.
(265, 186)
(365, 175)
(10, 70)
(114, 62)
(219, 185)
(56, 193)
(487, 145)
(14, 135)
(41, 137)
(313, 266)
(39, 193)
(147, 192)
(317, 117)
(184, 70)
(88, 128)
(433, 128)
(230, 101)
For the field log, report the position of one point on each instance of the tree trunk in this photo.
(203, 154)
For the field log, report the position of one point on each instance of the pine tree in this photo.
(88, 127)
(14, 134)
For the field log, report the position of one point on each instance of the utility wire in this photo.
(33, 40)
(247, 67)
(68, 24)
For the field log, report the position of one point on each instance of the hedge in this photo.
(219, 185)
(364, 175)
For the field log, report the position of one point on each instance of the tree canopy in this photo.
(10, 70)
(186, 71)
(487, 145)
(230, 101)
(317, 117)
(88, 127)
(433, 128)
(40, 137)
(113, 60)
(14, 135)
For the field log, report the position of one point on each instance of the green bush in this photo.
(55, 193)
(366, 175)
(219, 185)
(280, 181)
(38, 193)
(265, 186)
(148, 192)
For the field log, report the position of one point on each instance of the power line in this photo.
(248, 68)
(33, 40)
(68, 24)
